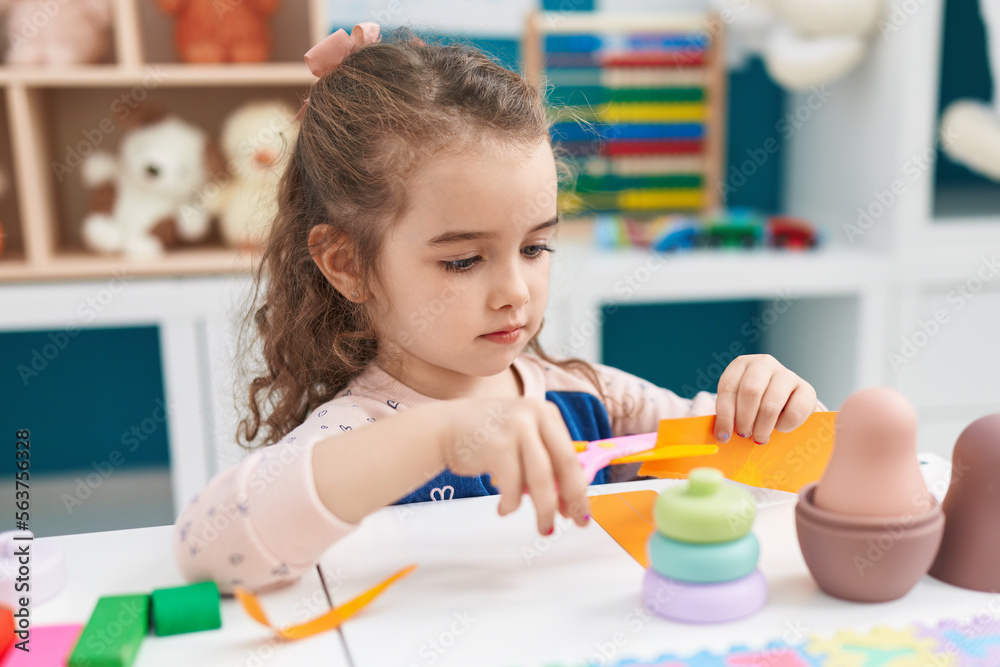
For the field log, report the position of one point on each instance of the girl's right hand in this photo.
(524, 445)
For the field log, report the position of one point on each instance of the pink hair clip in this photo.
(332, 50)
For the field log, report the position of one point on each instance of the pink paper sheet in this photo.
(50, 646)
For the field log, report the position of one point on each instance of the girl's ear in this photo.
(334, 256)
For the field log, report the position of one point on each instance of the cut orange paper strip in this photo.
(628, 519)
(328, 621)
(787, 462)
(669, 452)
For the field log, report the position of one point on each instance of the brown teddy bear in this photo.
(222, 31)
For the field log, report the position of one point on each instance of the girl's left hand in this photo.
(757, 394)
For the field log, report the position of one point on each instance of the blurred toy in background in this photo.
(152, 196)
(681, 234)
(43, 32)
(210, 31)
(257, 139)
(970, 129)
(804, 43)
(791, 233)
(738, 228)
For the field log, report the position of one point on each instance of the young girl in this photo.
(407, 277)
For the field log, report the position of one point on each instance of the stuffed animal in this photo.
(257, 139)
(970, 129)
(153, 194)
(44, 32)
(804, 43)
(210, 31)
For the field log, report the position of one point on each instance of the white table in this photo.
(137, 561)
(488, 591)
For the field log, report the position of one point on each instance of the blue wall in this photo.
(83, 395)
(684, 347)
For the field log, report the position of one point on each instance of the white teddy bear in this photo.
(804, 43)
(970, 129)
(160, 175)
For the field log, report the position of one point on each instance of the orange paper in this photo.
(327, 621)
(628, 518)
(787, 462)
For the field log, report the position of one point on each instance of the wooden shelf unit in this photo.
(50, 118)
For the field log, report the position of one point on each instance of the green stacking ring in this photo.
(704, 509)
(703, 563)
(186, 609)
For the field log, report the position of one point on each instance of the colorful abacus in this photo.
(651, 91)
(702, 555)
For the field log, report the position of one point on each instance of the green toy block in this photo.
(705, 509)
(112, 636)
(186, 609)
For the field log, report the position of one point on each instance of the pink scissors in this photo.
(596, 454)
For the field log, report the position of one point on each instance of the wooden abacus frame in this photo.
(540, 24)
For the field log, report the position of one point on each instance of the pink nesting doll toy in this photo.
(869, 529)
(970, 550)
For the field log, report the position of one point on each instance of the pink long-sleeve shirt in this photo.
(261, 523)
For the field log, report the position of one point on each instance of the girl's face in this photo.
(469, 258)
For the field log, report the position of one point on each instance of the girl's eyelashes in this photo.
(462, 265)
(538, 250)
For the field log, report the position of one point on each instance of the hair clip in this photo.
(332, 50)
